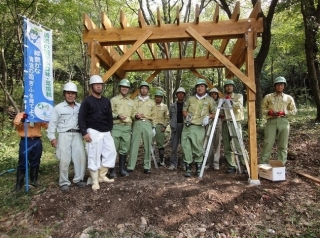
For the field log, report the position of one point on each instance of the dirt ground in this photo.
(166, 204)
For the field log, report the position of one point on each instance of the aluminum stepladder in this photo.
(225, 104)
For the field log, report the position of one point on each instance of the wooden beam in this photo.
(314, 179)
(105, 21)
(216, 14)
(197, 14)
(180, 49)
(173, 33)
(222, 58)
(208, 53)
(237, 54)
(140, 53)
(235, 17)
(106, 60)
(129, 52)
(123, 20)
(88, 23)
(95, 62)
(172, 63)
(251, 101)
(178, 15)
(152, 51)
(256, 11)
(159, 20)
(151, 77)
(141, 19)
(194, 49)
(166, 50)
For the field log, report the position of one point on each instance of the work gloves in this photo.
(153, 132)
(205, 121)
(276, 114)
(24, 117)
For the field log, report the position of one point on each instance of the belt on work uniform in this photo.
(30, 138)
(73, 130)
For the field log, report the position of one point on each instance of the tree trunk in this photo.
(311, 19)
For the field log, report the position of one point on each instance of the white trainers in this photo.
(172, 167)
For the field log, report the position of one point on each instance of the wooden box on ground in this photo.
(274, 171)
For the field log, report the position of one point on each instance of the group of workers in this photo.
(117, 126)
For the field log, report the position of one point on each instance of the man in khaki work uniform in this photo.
(197, 111)
(236, 101)
(277, 107)
(123, 112)
(142, 127)
(161, 121)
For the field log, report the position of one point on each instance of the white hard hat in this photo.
(181, 89)
(95, 79)
(214, 90)
(70, 87)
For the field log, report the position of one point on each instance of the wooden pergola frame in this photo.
(119, 51)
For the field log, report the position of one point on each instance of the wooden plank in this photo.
(149, 79)
(170, 32)
(216, 14)
(141, 19)
(88, 23)
(251, 101)
(237, 53)
(314, 179)
(178, 15)
(95, 62)
(105, 21)
(208, 53)
(123, 20)
(152, 51)
(235, 17)
(106, 60)
(140, 53)
(159, 20)
(166, 50)
(222, 59)
(126, 56)
(172, 63)
(256, 11)
(197, 14)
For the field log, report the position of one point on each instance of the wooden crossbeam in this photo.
(172, 63)
(237, 55)
(149, 79)
(129, 52)
(221, 58)
(141, 19)
(166, 50)
(216, 14)
(235, 17)
(256, 11)
(123, 20)
(173, 33)
(178, 15)
(152, 51)
(105, 21)
(88, 23)
(159, 20)
(106, 60)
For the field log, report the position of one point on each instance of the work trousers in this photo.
(101, 150)
(192, 143)
(175, 140)
(71, 147)
(277, 129)
(33, 150)
(122, 137)
(141, 129)
(160, 136)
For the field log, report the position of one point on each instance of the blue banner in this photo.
(38, 76)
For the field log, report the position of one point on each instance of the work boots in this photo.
(20, 180)
(122, 162)
(198, 169)
(102, 175)
(188, 170)
(161, 157)
(34, 171)
(94, 177)
(112, 173)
